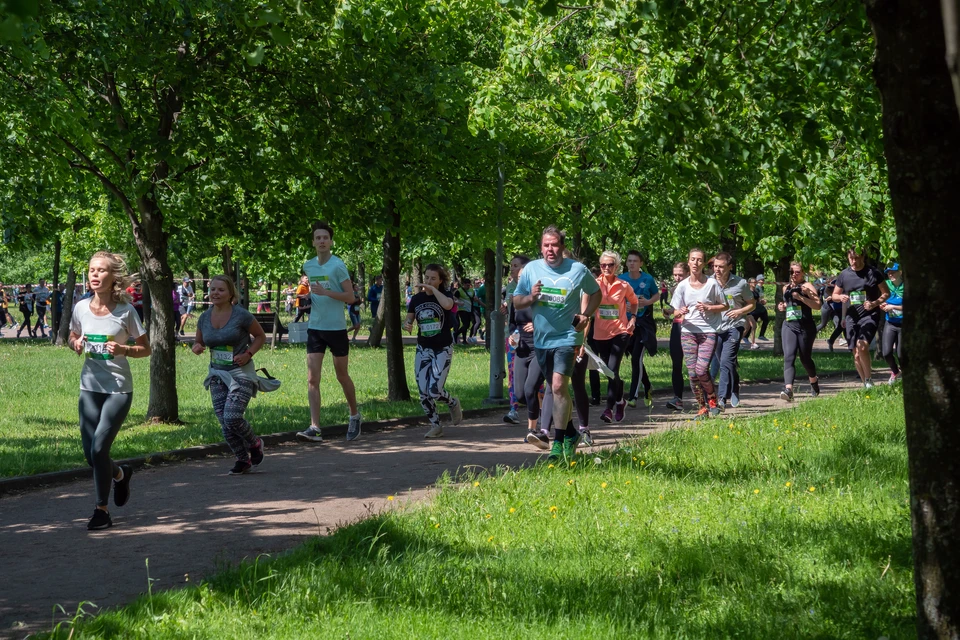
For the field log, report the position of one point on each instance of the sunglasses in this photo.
(606, 265)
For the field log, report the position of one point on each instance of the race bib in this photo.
(553, 297)
(609, 312)
(858, 297)
(323, 281)
(793, 313)
(222, 355)
(96, 347)
(896, 313)
(430, 328)
(730, 302)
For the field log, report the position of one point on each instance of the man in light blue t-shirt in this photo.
(554, 287)
(330, 292)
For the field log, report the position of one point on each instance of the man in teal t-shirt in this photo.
(330, 292)
(554, 287)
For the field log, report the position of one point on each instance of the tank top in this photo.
(797, 311)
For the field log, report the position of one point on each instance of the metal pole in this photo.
(497, 337)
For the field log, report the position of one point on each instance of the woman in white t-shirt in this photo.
(698, 304)
(99, 330)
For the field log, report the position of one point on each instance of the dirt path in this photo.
(190, 518)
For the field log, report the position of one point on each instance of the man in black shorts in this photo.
(861, 289)
(330, 292)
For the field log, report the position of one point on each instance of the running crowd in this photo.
(564, 320)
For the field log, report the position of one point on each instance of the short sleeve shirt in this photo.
(434, 323)
(686, 296)
(862, 286)
(42, 295)
(895, 316)
(326, 314)
(228, 341)
(559, 300)
(102, 371)
(737, 294)
(645, 287)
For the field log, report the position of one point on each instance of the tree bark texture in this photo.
(64, 331)
(151, 243)
(490, 297)
(55, 319)
(392, 299)
(921, 136)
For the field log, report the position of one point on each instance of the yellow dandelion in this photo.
(570, 481)
(788, 484)
(812, 489)
(436, 526)
(661, 496)
(755, 491)
(603, 485)
(553, 509)
(780, 448)
(730, 426)
(634, 459)
(868, 397)
(573, 464)
(476, 484)
(831, 479)
(554, 516)
(549, 466)
(488, 516)
(627, 482)
(642, 463)
(490, 539)
(512, 510)
(716, 437)
(389, 497)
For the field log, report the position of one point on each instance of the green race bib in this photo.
(609, 312)
(222, 355)
(896, 313)
(96, 347)
(429, 329)
(553, 297)
(323, 281)
(858, 297)
(793, 313)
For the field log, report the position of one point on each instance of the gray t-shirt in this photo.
(737, 294)
(230, 340)
(103, 372)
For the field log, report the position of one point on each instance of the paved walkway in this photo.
(190, 518)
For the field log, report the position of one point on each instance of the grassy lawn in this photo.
(791, 525)
(38, 398)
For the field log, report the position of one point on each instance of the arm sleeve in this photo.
(716, 294)
(676, 300)
(246, 319)
(75, 325)
(588, 283)
(523, 284)
(631, 296)
(134, 328)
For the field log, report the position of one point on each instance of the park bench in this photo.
(271, 326)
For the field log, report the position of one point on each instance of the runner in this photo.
(464, 311)
(513, 416)
(432, 308)
(680, 271)
(6, 318)
(25, 298)
(613, 330)
(698, 303)
(101, 327)
(893, 307)
(740, 302)
(374, 294)
(353, 310)
(760, 314)
(41, 296)
(303, 299)
(831, 310)
(187, 302)
(526, 380)
(330, 292)
(799, 330)
(226, 328)
(644, 337)
(861, 289)
(553, 286)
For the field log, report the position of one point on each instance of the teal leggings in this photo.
(101, 416)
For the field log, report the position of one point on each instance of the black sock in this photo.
(570, 431)
(558, 435)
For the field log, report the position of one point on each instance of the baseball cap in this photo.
(894, 267)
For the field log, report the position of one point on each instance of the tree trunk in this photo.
(64, 331)
(376, 329)
(362, 279)
(55, 319)
(226, 257)
(158, 280)
(204, 286)
(921, 137)
(490, 297)
(417, 277)
(392, 296)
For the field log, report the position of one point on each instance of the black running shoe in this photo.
(121, 488)
(787, 394)
(241, 467)
(256, 453)
(815, 388)
(100, 520)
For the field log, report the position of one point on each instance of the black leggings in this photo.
(101, 416)
(763, 319)
(301, 311)
(676, 356)
(795, 338)
(466, 319)
(611, 351)
(527, 380)
(891, 336)
(26, 323)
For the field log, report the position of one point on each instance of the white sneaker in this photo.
(435, 431)
(456, 411)
(754, 346)
(868, 384)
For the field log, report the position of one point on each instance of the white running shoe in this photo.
(456, 411)
(435, 431)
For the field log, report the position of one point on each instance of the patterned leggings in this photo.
(230, 407)
(697, 351)
(432, 368)
(511, 352)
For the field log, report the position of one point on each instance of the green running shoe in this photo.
(556, 452)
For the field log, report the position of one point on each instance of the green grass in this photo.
(38, 398)
(791, 525)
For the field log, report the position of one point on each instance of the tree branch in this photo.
(91, 167)
(188, 169)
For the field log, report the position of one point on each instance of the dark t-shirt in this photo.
(434, 323)
(519, 318)
(230, 340)
(862, 286)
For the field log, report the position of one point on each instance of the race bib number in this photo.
(430, 328)
(896, 313)
(553, 297)
(323, 281)
(221, 355)
(96, 347)
(793, 313)
(858, 297)
(609, 312)
(730, 302)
